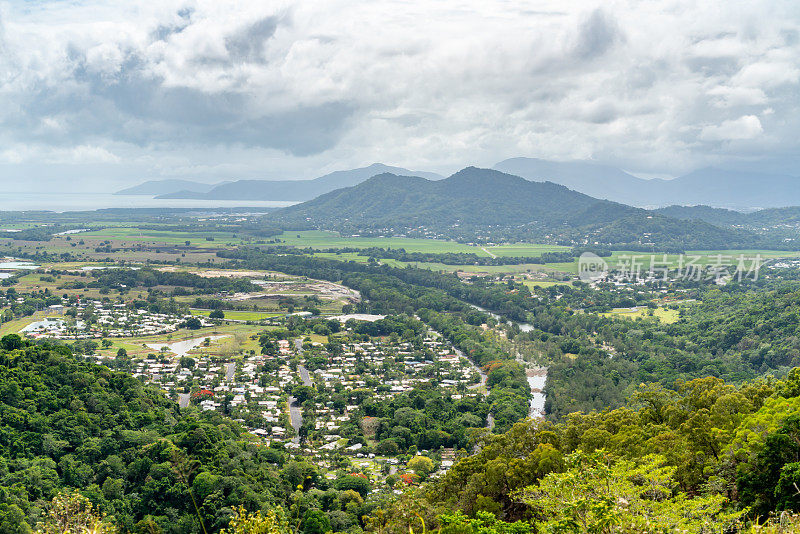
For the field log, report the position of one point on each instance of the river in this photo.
(537, 376)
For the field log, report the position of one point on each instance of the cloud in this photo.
(299, 88)
(746, 127)
(596, 35)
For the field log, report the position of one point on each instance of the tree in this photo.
(255, 523)
(421, 465)
(601, 494)
(316, 522)
(193, 323)
(72, 513)
(217, 314)
(353, 482)
(11, 342)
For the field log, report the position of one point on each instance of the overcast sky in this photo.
(112, 93)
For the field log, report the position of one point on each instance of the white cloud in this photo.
(746, 127)
(252, 89)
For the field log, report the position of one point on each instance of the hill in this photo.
(488, 205)
(160, 187)
(298, 190)
(723, 217)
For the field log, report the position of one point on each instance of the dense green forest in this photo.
(707, 457)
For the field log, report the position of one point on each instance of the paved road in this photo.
(295, 411)
(304, 375)
(484, 376)
(295, 417)
(230, 369)
(183, 400)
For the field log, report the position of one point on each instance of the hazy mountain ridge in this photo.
(297, 190)
(712, 187)
(160, 187)
(709, 186)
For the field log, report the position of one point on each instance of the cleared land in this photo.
(665, 315)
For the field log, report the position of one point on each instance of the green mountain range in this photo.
(495, 206)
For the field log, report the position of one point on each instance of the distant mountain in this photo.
(711, 187)
(599, 181)
(296, 189)
(733, 189)
(160, 187)
(497, 206)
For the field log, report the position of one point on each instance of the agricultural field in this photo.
(531, 250)
(323, 239)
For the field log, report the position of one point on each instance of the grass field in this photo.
(240, 315)
(544, 283)
(662, 314)
(525, 250)
(322, 239)
(133, 234)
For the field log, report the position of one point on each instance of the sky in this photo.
(97, 95)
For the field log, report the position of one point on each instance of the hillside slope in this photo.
(491, 205)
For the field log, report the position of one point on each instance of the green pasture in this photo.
(324, 239)
(197, 239)
(524, 250)
(239, 315)
(664, 315)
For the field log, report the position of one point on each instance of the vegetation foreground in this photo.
(709, 457)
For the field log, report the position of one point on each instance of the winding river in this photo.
(537, 376)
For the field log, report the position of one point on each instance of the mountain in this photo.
(298, 190)
(496, 206)
(470, 194)
(160, 187)
(600, 181)
(733, 189)
(710, 186)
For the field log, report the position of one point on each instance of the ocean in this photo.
(61, 202)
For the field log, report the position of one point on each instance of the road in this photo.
(183, 400)
(295, 411)
(230, 369)
(296, 418)
(304, 377)
(489, 253)
(484, 378)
